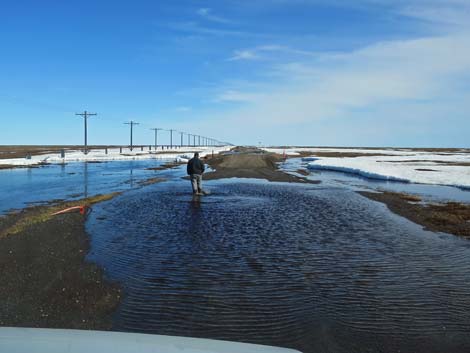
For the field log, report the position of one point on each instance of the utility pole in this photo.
(189, 140)
(131, 123)
(182, 133)
(199, 140)
(194, 140)
(85, 116)
(171, 138)
(156, 137)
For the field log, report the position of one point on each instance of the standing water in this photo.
(319, 269)
(31, 186)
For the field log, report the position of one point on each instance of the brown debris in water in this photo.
(169, 165)
(152, 181)
(303, 172)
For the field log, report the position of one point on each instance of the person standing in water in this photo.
(195, 169)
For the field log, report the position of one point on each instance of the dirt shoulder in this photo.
(46, 281)
(250, 163)
(451, 217)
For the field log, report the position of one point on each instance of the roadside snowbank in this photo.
(441, 167)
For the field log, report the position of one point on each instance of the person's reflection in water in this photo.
(195, 222)
(195, 205)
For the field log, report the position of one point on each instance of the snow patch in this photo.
(440, 167)
(356, 171)
(114, 154)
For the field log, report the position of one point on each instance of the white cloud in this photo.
(244, 55)
(422, 69)
(458, 15)
(207, 14)
(382, 91)
(193, 27)
(260, 52)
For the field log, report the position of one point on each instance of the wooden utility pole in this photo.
(171, 138)
(156, 137)
(85, 116)
(131, 123)
(181, 133)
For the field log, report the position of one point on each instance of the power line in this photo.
(85, 116)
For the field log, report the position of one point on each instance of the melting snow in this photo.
(405, 165)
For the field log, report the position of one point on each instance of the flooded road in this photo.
(313, 267)
(23, 187)
(318, 268)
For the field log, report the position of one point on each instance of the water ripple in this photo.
(314, 269)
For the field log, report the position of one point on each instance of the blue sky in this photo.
(298, 72)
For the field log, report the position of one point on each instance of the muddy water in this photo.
(314, 268)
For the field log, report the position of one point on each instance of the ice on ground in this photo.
(182, 159)
(294, 151)
(99, 155)
(444, 167)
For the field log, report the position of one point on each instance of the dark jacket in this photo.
(195, 166)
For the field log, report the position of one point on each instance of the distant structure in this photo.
(131, 123)
(85, 116)
(193, 139)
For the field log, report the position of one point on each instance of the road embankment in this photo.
(46, 281)
(251, 163)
